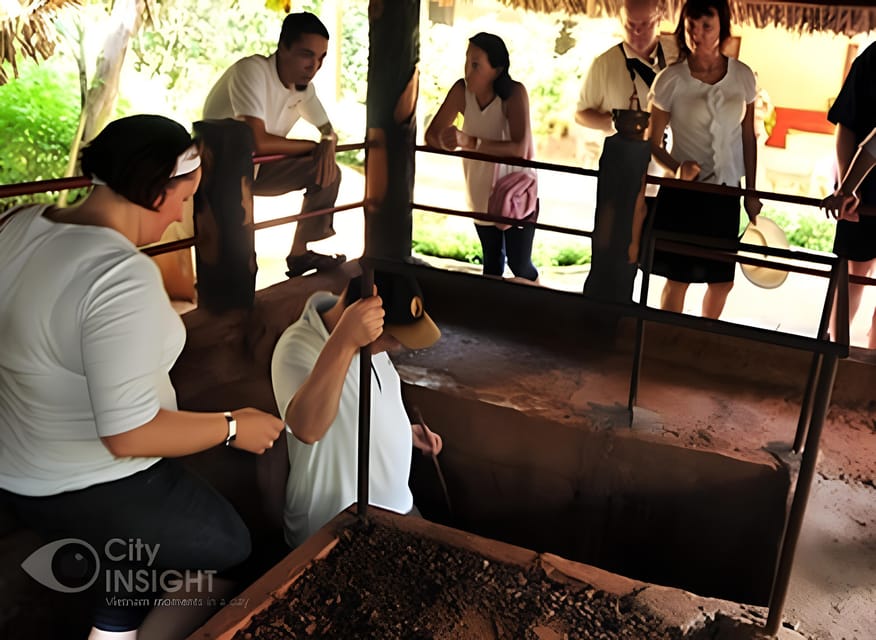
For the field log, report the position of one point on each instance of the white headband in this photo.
(188, 161)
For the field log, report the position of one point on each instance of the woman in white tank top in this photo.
(495, 111)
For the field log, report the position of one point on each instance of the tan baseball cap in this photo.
(406, 319)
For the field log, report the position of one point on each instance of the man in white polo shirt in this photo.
(270, 94)
(315, 373)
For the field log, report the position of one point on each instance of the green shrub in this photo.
(804, 229)
(39, 115)
(353, 158)
(435, 241)
(561, 255)
(434, 236)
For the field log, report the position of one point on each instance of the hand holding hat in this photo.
(753, 206)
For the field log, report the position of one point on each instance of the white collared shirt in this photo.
(323, 476)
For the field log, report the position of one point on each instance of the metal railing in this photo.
(825, 353)
(78, 182)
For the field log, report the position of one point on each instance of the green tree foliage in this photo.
(807, 229)
(190, 43)
(39, 114)
(354, 50)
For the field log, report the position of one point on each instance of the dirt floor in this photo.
(833, 585)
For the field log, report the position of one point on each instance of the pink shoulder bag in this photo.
(515, 191)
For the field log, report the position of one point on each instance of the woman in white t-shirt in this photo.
(495, 112)
(708, 101)
(89, 424)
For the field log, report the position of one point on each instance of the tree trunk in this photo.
(100, 102)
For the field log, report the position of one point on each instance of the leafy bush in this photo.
(804, 229)
(354, 158)
(431, 238)
(434, 236)
(564, 255)
(39, 115)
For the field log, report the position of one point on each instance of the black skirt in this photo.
(856, 240)
(701, 214)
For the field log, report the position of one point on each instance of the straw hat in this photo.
(765, 233)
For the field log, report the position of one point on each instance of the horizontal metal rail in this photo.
(794, 254)
(78, 182)
(60, 184)
(185, 243)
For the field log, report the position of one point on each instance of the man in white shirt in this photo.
(270, 94)
(315, 374)
(621, 77)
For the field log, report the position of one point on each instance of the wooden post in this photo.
(224, 237)
(394, 50)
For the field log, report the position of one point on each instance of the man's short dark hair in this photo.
(297, 24)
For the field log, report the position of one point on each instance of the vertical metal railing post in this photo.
(647, 261)
(364, 403)
(823, 389)
(835, 289)
(806, 405)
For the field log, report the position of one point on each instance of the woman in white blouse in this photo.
(707, 100)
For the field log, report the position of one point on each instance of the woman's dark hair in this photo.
(696, 9)
(297, 24)
(135, 156)
(497, 54)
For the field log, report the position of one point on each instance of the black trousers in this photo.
(133, 539)
(515, 243)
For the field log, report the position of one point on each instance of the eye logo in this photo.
(416, 306)
(69, 565)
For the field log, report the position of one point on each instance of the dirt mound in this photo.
(380, 582)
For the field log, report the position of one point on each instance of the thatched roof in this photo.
(26, 29)
(844, 16)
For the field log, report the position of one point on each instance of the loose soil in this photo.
(380, 582)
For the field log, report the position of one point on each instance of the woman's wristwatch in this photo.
(232, 429)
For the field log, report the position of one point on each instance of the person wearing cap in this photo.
(315, 374)
(270, 94)
(89, 426)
